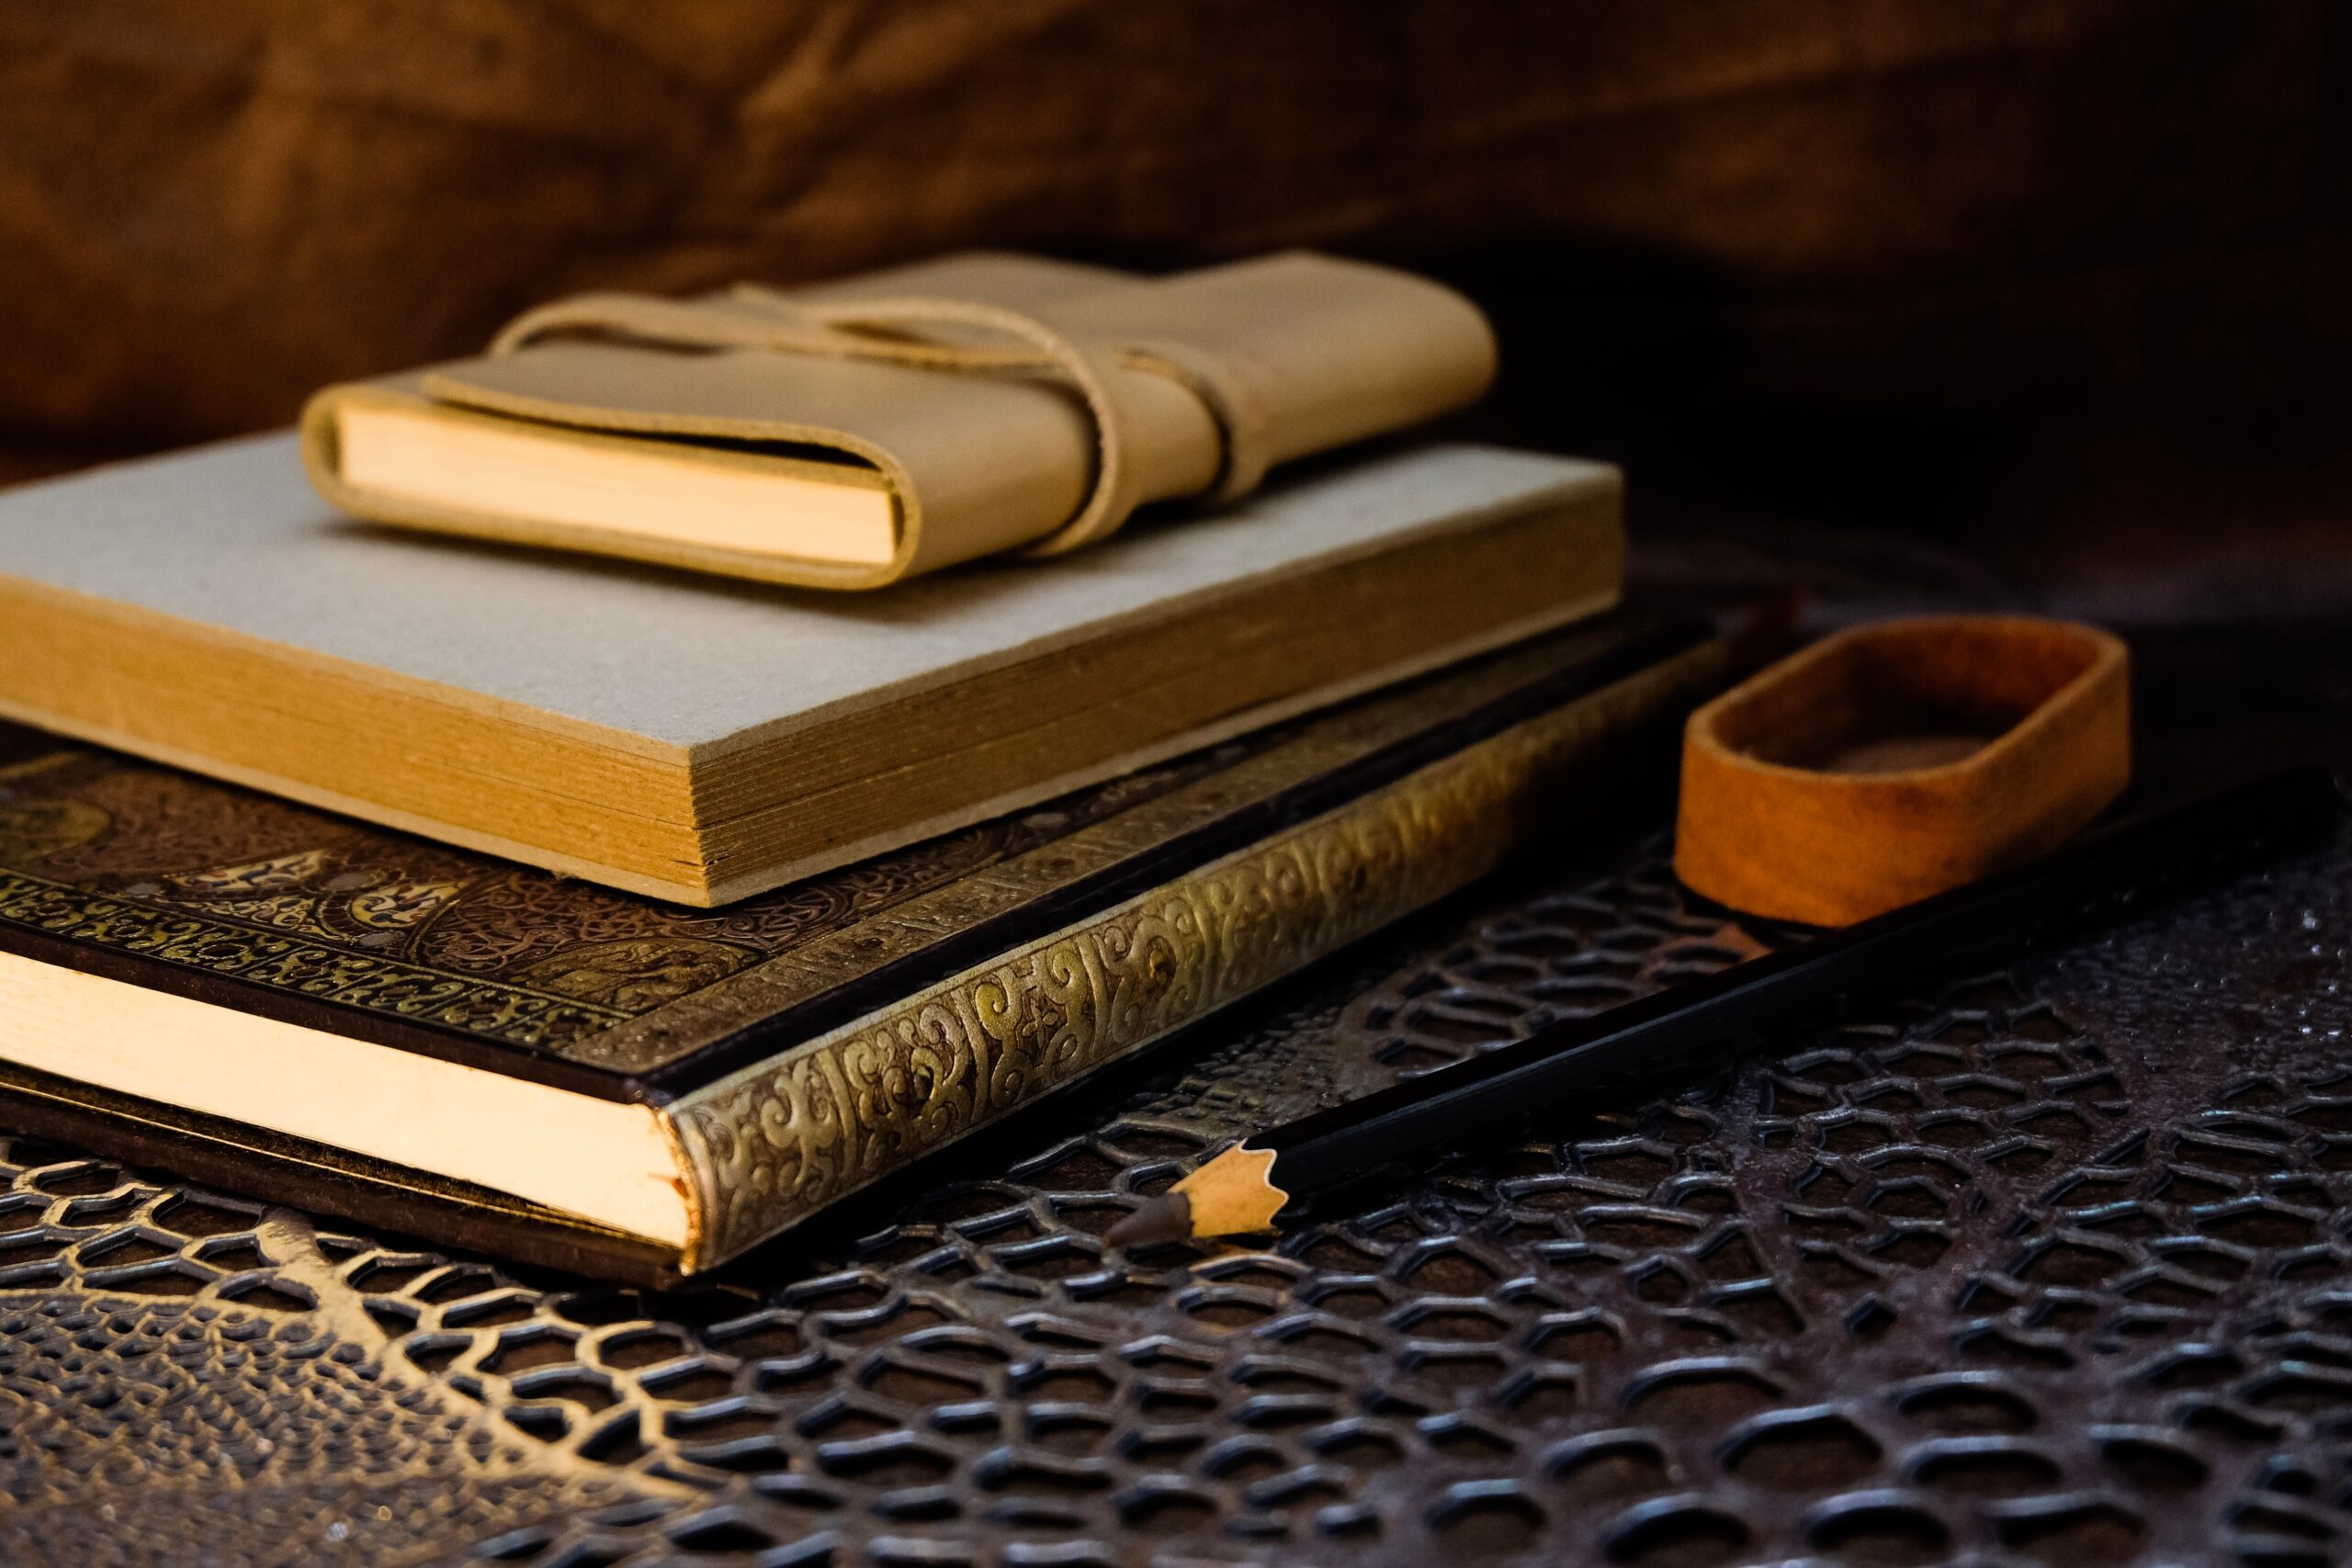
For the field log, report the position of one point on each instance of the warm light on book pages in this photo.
(610, 1161)
(549, 474)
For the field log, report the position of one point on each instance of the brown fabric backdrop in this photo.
(1852, 258)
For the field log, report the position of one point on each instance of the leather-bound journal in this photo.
(329, 1014)
(851, 433)
(703, 738)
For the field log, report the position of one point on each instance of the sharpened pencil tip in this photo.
(1168, 1217)
(1224, 1197)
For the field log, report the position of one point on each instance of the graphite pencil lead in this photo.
(1168, 1217)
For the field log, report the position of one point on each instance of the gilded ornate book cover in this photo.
(329, 1014)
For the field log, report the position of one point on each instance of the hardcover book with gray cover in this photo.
(701, 738)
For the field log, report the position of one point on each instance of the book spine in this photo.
(771, 1144)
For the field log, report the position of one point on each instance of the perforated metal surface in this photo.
(2052, 1266)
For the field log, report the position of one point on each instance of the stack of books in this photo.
(510, 826)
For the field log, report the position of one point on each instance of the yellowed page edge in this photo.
(420, 1111)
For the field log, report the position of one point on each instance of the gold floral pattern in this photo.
(775, 1143)
(38, 829)
(119, 854)
(634, 976)
(291, 962)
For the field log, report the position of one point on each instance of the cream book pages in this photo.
(700, 738)
(737, 502)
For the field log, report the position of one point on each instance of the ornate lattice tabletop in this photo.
(2050, 1265)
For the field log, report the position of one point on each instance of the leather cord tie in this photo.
(888, 332)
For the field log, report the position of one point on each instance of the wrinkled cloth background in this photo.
(2043, 275)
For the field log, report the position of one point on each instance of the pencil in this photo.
(2097, 876)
